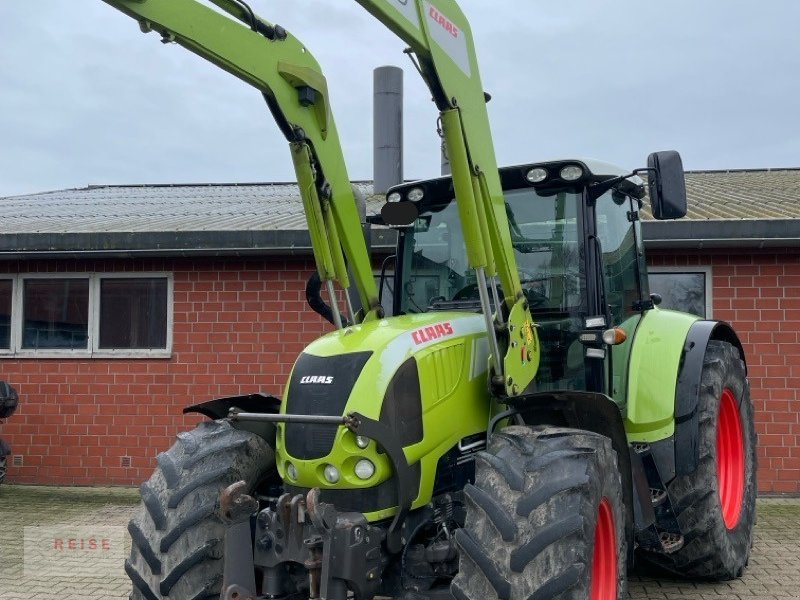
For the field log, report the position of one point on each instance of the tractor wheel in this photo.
(716, 505)
(3, 468)
(545, 519)
(177, 534)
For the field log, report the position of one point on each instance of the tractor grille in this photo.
(319, 386)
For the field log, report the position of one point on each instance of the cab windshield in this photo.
(544, 233)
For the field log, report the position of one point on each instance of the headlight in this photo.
(331, 474)
(291, 471)
(416, 194)
(571, 173)
(364, 469)
(536, 175)
(394, 197)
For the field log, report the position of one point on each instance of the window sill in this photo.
(84, 355)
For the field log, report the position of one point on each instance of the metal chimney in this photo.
(388, 128)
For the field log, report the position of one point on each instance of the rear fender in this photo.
(687, 391)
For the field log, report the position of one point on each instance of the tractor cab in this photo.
(578, 246)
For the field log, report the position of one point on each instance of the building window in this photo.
(86, 315)
(687, 289)
(6, 294)
(144, 303)
(55, 314)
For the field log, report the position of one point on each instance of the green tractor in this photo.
(525, 424)
(391, 468)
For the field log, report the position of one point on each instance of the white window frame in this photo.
(706, 270)
(92, 349)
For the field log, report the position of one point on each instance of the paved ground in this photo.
(78, 534)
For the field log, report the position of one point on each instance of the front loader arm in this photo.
(440, 36)
(278, 64)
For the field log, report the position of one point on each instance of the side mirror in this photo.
(399, 214)
(666, 185)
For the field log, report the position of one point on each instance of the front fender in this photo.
(220, 408)
(655, 362)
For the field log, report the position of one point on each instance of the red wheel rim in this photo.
(730, 459)
(604, 561)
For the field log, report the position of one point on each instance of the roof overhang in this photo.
(687, 234)
(167, 244)
(745, 233)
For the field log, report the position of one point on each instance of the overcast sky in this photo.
(85, 98)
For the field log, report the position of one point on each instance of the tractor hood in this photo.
(352, 368)
(392, 341)
(401, 371)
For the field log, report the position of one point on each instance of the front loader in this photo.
(524, 424)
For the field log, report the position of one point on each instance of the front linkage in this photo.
(340, 551)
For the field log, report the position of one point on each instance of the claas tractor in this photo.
(524, 423)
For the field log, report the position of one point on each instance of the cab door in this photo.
(624, 290)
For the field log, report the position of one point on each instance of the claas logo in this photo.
(446, 23)
(323, 379)
(434, 332)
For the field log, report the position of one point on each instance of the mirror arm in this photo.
(598, 189)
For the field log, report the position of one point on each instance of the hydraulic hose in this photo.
(315, 301)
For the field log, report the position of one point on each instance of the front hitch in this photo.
(341, 551)
(235, 510)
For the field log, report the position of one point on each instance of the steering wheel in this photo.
(470, 292)
(534, 298)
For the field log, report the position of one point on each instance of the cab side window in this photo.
(620, 254)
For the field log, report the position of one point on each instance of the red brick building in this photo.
(211, 282)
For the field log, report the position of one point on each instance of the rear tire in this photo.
(545, 519)
(3, 468)
(716, 505)
(177, 534)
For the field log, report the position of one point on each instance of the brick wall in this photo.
(759, 294)
(239, 325)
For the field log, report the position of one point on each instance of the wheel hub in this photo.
(604, 561)
(730, 459)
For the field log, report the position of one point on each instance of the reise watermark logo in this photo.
(73, 551)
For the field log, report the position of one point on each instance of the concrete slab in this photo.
(88, 562)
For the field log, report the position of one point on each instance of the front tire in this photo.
(545, 519)
(177, 533)
(716, 504)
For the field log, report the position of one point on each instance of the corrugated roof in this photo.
(758, 194)
(150, 208)
(713, 195)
